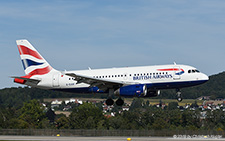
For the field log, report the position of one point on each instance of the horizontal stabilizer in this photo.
(23, 80)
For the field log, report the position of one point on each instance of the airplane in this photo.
(142, 81)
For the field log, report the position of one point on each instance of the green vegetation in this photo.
(141, 116)
(20, 109)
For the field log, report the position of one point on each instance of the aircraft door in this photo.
(55, 80)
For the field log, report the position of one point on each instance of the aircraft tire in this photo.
(179, 99)
(119, 102)
(109, 102)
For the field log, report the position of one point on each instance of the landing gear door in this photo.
(55, 80)
(176, 72)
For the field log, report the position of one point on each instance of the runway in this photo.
(54, 138)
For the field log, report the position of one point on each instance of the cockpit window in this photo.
(193, 71)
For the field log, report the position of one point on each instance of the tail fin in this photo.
(33, 62)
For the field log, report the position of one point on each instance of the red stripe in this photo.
(34, 72)
(26, 51)
(20, 81)
(170, 69)
(40, 71)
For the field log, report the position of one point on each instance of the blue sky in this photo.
(77, 34)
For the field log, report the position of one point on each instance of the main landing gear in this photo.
(179, 98)
(110, 102)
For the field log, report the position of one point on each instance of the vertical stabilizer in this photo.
(33, 62)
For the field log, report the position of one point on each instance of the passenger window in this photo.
(130, 74)
(99, 76)
(122, 75)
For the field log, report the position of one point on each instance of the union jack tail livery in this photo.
(33, 62)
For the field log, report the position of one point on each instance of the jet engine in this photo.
(132, 90)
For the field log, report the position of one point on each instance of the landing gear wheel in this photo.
(119, 102)
(179, 99)
(109, 102)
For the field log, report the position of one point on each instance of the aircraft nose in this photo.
(205, 77)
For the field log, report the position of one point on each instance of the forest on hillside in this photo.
(141, 116)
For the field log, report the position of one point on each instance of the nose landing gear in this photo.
(179, 98)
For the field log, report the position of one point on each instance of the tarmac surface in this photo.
(54, 138)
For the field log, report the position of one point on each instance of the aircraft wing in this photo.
(102, 84)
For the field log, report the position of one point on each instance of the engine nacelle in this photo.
(132, 90)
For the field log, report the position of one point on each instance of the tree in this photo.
(51, 115)
(136, 103)
(85, 114)
(32, 114)
(172, 105)
(63, 122)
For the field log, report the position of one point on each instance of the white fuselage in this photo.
(160, 77)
